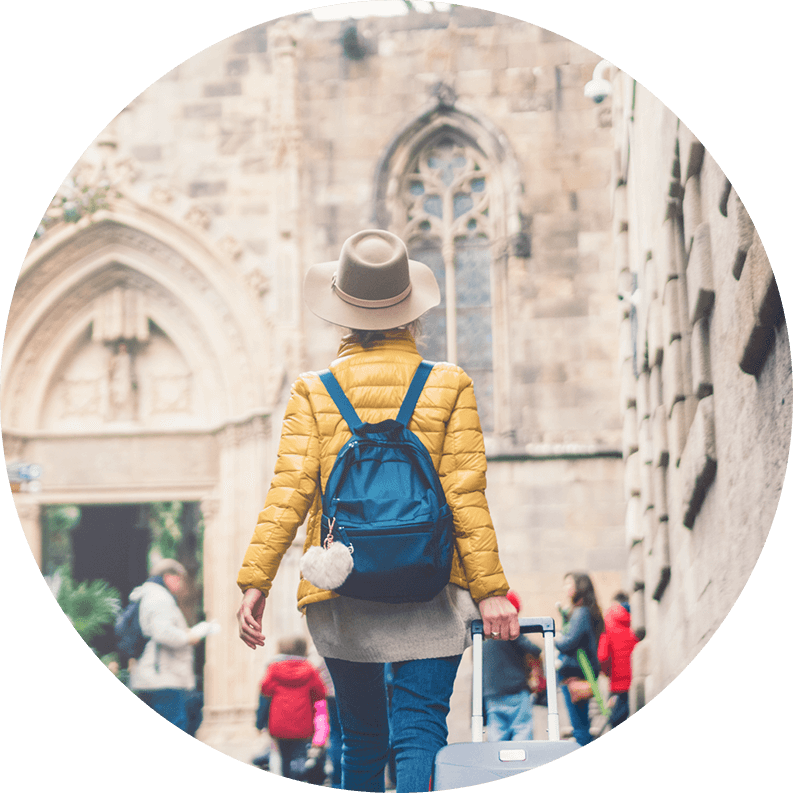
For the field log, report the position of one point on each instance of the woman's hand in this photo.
(249, 618)
(500, 618)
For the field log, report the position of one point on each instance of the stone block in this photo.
(633, 520)
(698, 462)
(643, 395)
(674, 386)
(632, 476)
(661, 491)
(692, 154)
(636, 565)
(668, 256)
(619, 207)
(626, 340)
(701, 375)
(661, 568)
(639, 627)
(677, 428)
(656, 388)
(630, 434)
(645, 441)
(229, 88)
(646, 485)
(660, 437)
(692, 211)
(655, 333)
(699, 275)
(759, 309)
(742, 232)
(670, 316)
(622, 252)
(648, 529)
(627, 386)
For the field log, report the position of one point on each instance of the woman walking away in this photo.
(584, 624)
(378, 293)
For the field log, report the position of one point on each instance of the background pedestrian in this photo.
(508, 702)
(163, 677)
(614, 653)
(292, 685)
(581, 632)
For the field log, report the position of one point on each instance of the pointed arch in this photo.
(449, 184)
(117, 280)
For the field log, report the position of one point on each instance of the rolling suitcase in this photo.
(464, 764)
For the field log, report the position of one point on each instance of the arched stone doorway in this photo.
(137, 369)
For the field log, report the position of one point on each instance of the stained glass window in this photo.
(448, 228)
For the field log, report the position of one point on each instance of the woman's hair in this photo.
(367, 338)
(584, 595)
(292, 645)
(168, 567)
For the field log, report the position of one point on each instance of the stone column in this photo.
(286, 157)
(232, 671)
(30, 517)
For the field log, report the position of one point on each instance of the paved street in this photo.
(246, 750)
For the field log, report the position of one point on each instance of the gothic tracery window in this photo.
(448, 227)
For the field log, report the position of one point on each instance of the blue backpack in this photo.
(130, 639)
(385, 502)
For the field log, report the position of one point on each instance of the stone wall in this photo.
(706, 385)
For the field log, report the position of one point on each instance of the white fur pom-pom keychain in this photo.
(327, 566)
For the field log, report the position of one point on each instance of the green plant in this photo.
(89, 605)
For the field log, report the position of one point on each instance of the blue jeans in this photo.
(419, 707)
(170, 703)
(334, 742)
(620, 711)
(579, 718)
(509, 717)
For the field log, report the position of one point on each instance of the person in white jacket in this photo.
(164, 675)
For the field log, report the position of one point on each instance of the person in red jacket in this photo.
(614, 653)
(293, 686)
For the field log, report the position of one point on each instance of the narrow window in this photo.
(445, 193)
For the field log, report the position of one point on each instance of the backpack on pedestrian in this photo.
(386, 529)
(130, 639)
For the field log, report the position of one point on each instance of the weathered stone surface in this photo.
(698, 463)
(668, 256)
(741, 232)
(671, 313)
(656, 388)
(692, 154)
(660, 437)
(759, 309)
(677, 427)
(699, 275)
(674, 387)
(633, 521)
(646, 485)
(702, 377)
(627, 397)
(636, 565)
(660, 488)
(655, 333)
(630, 437)
(633, 484)
(645, 441)
(661, 570)
(692, 212)
(643, 395)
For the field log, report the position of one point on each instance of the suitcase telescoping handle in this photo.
(543, 625)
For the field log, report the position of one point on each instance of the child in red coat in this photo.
(293, 686)
(614, 653)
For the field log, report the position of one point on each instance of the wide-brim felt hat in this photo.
(373, 285)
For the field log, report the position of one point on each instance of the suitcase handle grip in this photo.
(543, 625)
(527, 625)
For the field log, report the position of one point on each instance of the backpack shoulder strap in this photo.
(414, 391)
(340, 398)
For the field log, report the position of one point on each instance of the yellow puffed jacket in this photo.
(375, 380)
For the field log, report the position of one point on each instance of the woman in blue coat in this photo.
(583, 625)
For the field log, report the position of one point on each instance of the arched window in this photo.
(445, 200)
(450, 186)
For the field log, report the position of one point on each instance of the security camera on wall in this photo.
(597, 90)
